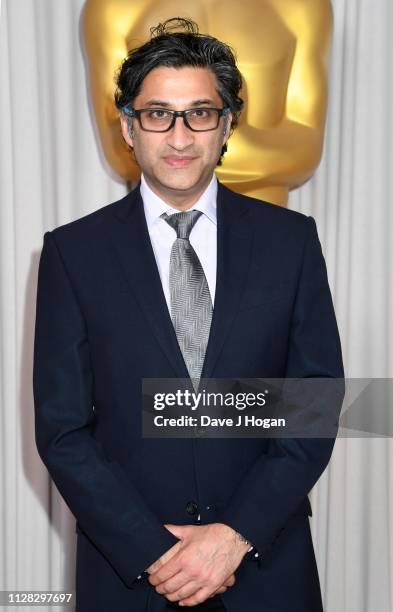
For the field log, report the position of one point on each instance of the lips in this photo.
(177, 161)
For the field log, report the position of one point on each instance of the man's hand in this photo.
(230, 581)
(200, 565)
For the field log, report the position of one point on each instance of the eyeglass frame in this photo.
(133, 112)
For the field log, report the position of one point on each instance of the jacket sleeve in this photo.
(276, 485)
(110, 511)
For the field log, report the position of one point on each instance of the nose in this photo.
(180, 136)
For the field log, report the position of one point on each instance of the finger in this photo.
(177, 530)
(173, 585)
(199, 597)
(154, 567)
(186, 591)
(165, 571)
(230, 581)
(220, 590)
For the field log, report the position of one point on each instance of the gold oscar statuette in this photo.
(282, 48)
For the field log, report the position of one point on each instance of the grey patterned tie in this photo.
(191, 304)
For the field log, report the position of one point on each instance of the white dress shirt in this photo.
(203, 236)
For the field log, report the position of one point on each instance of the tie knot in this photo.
(182, 222)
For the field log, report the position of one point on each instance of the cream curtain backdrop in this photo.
(52, 171)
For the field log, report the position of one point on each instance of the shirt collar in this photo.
(154, 206)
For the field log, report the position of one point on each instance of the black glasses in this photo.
(162, 119)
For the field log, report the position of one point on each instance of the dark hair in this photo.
(171, 48)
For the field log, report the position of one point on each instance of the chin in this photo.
(180, 183)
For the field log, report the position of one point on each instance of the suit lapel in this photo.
(234, 245)
(131, 241)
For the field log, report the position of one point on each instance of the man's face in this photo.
(177, 164)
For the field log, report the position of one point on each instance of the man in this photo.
(180, 278)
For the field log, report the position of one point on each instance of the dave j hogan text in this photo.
(242, 420)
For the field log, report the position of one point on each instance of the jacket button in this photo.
(192, 507)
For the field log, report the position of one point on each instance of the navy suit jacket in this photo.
(102, 324)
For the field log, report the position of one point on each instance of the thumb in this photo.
(177, 530)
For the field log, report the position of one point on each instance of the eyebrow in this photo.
(164, 104)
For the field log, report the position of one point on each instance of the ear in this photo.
(124, 123)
